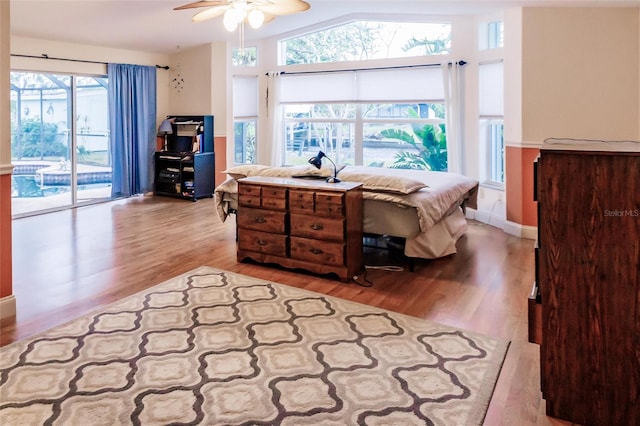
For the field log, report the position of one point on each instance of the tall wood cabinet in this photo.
(296, 223)
(588, 280)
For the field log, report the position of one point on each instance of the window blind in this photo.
(402, 84)
(491, 89)
(245, 96)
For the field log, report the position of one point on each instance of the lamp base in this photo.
(333, 180)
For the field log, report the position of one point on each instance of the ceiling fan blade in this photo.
(210, 13)
(268, 17)
(201, 3)
(284, 7)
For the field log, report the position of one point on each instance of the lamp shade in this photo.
(165, 127)
(317, 162)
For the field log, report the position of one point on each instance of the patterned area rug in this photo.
(213, 347)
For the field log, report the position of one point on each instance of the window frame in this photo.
(281, 56)
(358, 122)
(492, 150)
(245, 114)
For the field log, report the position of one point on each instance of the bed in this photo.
(423, 209)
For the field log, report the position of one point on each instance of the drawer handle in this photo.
(261, 243)
(260, 220)
(317, 226)
(315, 251)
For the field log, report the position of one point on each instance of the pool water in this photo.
(26, 186)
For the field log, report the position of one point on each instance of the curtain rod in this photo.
(461, 63)
(45, 56)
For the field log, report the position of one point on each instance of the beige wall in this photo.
(580, 73)
(197, 83)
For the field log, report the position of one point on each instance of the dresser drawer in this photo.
(329, 209)
(262, 220)
(329, 198)
(274, 192)
(329, 204)
(248, 200)
(262, 242)
(322, 228)
(320, 252)
(301, 201)
(250, 190)
(274, 203)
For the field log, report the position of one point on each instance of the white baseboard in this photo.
(485, 217)
(522, 231)
(511, 228)
(8, 307)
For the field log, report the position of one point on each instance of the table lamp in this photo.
(317, 161)
(165, 129)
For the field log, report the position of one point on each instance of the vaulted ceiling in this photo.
(153, 25)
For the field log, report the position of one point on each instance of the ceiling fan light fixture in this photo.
(236, 12)
(231, 19)
(255, 18)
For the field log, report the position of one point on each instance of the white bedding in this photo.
(445, 192)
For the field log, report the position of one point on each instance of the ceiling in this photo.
(153, 25)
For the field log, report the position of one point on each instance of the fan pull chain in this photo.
(241, 35)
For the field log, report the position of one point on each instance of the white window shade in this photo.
(491, 89)
(245, 96)
(321, 87)
(402, 84)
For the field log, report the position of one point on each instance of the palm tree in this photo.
(429, 141)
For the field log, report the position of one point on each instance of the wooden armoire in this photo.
(588, 280)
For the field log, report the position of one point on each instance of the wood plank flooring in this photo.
(72, 262)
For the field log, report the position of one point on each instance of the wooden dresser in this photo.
(588, 277)
(298, 223)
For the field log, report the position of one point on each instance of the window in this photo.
(245, 118)
(491, 97)
(362, 40)
(246, 57)
(385, 118)
(491, 35)
(59, 141)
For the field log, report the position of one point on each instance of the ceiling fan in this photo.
(235, 12)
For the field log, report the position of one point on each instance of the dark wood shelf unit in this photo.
(184, 175)
(182, 171)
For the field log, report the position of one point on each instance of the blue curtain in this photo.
(132, 125)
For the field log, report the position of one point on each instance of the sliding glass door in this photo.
(59, 141)
(93, 156)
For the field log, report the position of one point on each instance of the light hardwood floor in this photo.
(72, 262)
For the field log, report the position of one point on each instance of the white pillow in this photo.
(377, 179)
(243, 170)
(326, 170)
(283, 171)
